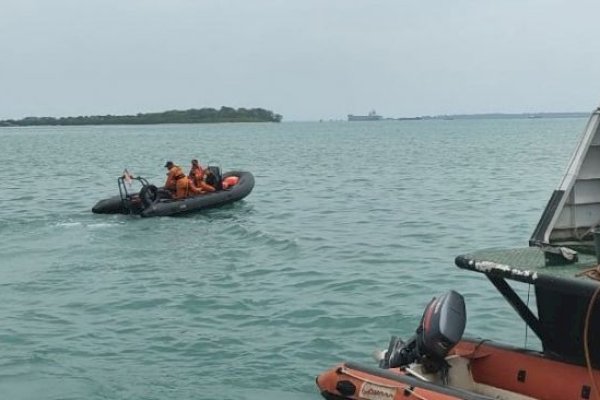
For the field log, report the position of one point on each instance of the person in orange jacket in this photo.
(196, 173)
(196, 176)
(177, 181)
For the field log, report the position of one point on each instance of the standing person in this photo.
(177, 181)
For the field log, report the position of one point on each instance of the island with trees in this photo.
(192, 116)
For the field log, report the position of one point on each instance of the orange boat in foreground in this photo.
(561, 264)
(437, 364)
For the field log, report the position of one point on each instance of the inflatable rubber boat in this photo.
(561, 268)
(151, 201)
(438, 363)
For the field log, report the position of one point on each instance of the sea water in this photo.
(349, 232)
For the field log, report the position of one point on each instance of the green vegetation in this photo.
(192, 116)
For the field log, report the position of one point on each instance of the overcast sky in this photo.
(304, 59)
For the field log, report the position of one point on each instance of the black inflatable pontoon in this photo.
(151, 201)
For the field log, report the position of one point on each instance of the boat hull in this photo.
(479, 370)
(114, 205)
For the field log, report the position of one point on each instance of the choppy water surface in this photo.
(349, 232)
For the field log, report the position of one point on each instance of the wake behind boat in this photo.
(562, 264)
(151, 201)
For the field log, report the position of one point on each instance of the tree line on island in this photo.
(192, 116)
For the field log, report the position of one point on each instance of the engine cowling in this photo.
(441, 328)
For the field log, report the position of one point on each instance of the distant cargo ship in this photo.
(371, 117)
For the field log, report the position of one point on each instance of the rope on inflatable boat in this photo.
(586, 348)
(591, 273)
(411, 390)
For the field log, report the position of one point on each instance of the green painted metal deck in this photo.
(524, 262)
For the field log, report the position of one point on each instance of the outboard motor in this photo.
(214, 177)
(441, 327)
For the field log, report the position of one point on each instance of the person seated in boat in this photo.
(196, 174)
(199, 185)
(197, 177)
(177, 182)
(173, 171)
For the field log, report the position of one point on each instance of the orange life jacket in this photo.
(196, 175)
(230, 181)
(182, 187)
(175, 173)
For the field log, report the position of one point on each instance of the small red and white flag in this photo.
(127, 177)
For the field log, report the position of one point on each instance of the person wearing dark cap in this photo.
(170, 183)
